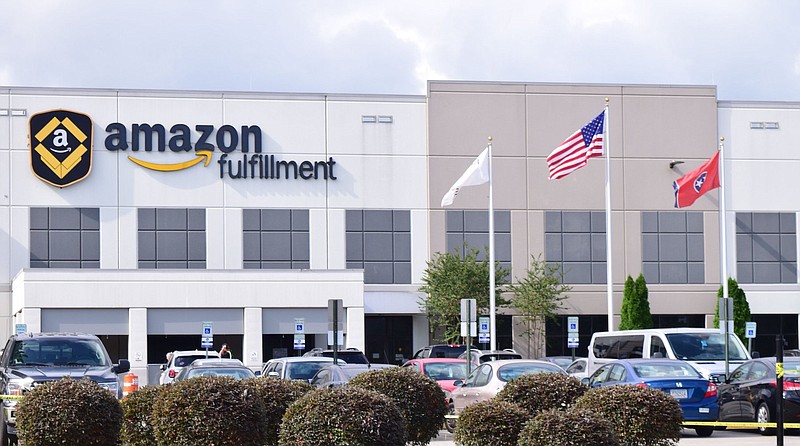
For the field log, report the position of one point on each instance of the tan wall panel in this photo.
(668, 127)
(510, 187)
(648, 186)
(583, 189)
(461, 123)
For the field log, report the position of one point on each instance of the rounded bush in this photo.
(344, 416)
(490, 422)
(421, 401)
(543, 391)
(276, 395)
(577, 427)
(137, 422)
(640, 415)
(209, 410)
(69, 412)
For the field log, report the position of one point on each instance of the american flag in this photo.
(573, 153)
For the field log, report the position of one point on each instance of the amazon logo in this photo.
(60, 146)
(154, 138)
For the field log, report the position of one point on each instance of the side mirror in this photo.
(755, 355)
(163, 367)
(585, 381)
(123, 366)
(717, 379)
(258, 372)
(458, 383)
(273, 374)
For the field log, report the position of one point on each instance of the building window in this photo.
(470, 229)
(379, 242)
(275, 239)
(576, 240)
(172, 238)
(672, 247)
(766, 247)
(65, 237)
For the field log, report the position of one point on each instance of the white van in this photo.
(704, 348)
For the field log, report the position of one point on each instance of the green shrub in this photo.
(577, 427)
(640, 415)
(420, 399)
(493, 422)
(209, 410)
(276, 395)
(345, 416)
(137, 423)
(542, 391)
(69, 412)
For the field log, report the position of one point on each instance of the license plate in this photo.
(679, 393)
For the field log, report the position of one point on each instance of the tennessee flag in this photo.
(691, 186)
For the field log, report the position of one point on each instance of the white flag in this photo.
(477, 173)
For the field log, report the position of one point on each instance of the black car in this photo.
(750, 392)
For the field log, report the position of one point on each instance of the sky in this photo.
(749, 49)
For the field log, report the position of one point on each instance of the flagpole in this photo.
(609, 283)
(723, 242)
(492, 314)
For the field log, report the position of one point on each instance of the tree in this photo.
(741, 309)
(635, 311)
(538, 297)
(449, 278)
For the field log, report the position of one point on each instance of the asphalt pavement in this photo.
(688, 437)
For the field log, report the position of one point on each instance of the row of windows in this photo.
(379, 241)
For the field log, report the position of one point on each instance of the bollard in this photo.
(130, 384)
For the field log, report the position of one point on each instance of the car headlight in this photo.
(17, 387)
(112, 387)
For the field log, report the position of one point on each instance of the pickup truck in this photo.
(32, 359)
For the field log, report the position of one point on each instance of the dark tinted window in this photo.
(447, 351)
(349, 357)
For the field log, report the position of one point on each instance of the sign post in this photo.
(299, 335)
(572, 334)
(750, 334)
(468, 328)
(335, 313)
(207, 337)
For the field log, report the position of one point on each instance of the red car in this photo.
(443, 370)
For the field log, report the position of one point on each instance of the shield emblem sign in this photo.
(61, 146)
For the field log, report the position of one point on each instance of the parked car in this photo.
(296, 367)
(697, 395)
(440, 351)
(561, 361)
(490, 377)
(445, 371)
(481, 356)
(179, 360)
(31, 359)
(215, 367)
(750, 392)
(334, 375)
(348, 355)
(578, 368)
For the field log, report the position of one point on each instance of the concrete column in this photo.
(252, 343)
(215, 249)
(337, 244)
(32, 317)
(355, 328)
(419, 331)
(128, 238)
(109, 238)
(137, 344)
(232, 227)
(318, 238)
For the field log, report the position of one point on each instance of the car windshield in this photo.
(233, 372)
(304, 370)
(350, 373)
(183, 361)
(665, 371)
(446, 370)
(59, 352)
(498, 356)
(511, 371)
(561, 362)
(705, 347)
(791, 368)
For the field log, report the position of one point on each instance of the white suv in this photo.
(179, 360)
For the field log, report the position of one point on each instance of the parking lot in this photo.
(688, 437)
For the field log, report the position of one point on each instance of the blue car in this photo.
(696, 395)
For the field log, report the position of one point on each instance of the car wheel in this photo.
(763, 416)
(450, 423)
(704, 431)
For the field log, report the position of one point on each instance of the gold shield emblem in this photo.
(61, 146)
